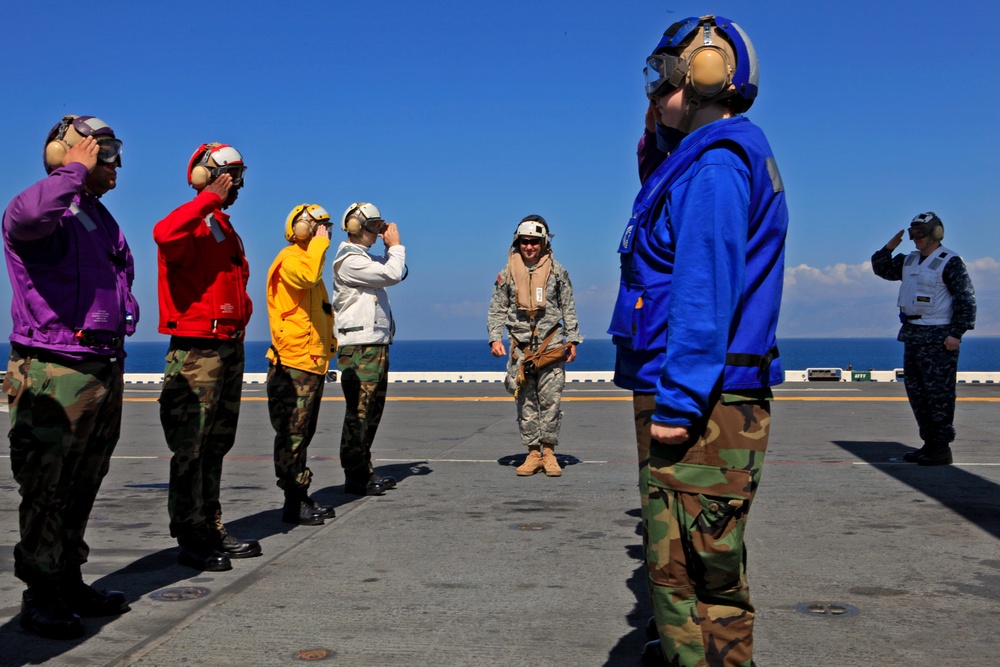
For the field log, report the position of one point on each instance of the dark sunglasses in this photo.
(529, 241)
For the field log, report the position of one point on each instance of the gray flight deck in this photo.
(854, 559)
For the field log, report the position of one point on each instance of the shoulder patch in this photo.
(500, 279)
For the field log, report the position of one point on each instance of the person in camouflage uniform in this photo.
(937, 305)
(71, 275)
(204, 308)
(365, 329)
(695, 330)
(301, 320)
(533, 300)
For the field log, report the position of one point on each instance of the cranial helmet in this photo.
(362, 215)
(71, 129)
(927, 224)
(711, 57)
(210, 161)
(303, 219)
(533, 225)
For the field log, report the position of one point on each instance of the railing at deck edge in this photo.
(815, 375)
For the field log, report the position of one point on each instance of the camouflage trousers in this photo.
(364, 377)
(696, 497)
(199, 410)
(293, 400)
(929, 375)
(65, 421)
(539, 414)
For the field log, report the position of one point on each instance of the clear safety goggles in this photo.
(235, 171)
(663, 70)
(109, 150)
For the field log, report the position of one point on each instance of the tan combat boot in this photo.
(532, 464)
(549, 461)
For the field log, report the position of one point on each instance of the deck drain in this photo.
(528, 526)
(314, 654)
(180, 594)
(827, 609)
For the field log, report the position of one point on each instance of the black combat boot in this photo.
(234, 547)
(44, 613)
(387, 481)
(325, 511)
(297, 510)
(363, 487)
(939, 455)
(914, 456)
(200, 555)
(88, 602)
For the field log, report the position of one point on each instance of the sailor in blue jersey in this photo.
(694, 324)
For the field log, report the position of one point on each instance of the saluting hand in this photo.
(220, 186)
(895, 240)
(84, 151)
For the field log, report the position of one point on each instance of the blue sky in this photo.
(457, 118)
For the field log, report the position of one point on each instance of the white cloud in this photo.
(848, 300)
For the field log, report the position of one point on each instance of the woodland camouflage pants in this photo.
(695, 501)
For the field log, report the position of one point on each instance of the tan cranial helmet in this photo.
(533, 225)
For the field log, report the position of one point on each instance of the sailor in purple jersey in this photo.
(71, 276)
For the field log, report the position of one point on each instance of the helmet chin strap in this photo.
(690, 109)
(695, 104)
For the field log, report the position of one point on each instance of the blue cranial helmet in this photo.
(711, 56)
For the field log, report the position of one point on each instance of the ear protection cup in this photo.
(57, 146)
(709, 71)
(353, 225)
(198, 174)
(302, 229)
(55, 151)
(937, 233)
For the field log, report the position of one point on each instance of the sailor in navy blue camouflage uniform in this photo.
(937, 305)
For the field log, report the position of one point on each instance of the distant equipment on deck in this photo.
(823, 374)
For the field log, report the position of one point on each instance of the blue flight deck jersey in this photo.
(702, 262)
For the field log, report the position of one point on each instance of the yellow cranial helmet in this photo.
(303, 220)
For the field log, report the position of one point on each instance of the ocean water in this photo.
(978, 354)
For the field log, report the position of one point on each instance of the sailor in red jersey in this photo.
(204, 308)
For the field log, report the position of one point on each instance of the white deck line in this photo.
(812, 375)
